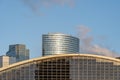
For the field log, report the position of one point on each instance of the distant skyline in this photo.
(24, 22)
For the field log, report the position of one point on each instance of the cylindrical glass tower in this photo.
(57, 43)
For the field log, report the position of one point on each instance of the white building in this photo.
(6, 60)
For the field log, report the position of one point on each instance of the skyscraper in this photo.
(57, 43)
(18, 51)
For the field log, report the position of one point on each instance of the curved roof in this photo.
(58, 56)
(59, 34)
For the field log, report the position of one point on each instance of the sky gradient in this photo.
(24, 22)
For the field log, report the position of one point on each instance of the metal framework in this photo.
(64, 67)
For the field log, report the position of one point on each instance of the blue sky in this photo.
(21, 24)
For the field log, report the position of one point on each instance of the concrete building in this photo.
(6, 61)
(57, 43)
(18, 51)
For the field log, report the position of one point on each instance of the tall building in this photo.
(64, 67)
(12, 60)
(18, 51)
(57, 43)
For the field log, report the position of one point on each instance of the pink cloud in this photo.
(87, 46)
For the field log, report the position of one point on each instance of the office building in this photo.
(6, 61)
(18, 51)
(57, 43)
(12, 60)
(64, 67)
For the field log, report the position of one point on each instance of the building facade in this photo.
(18, 51)
(4, 61)
(64, 67)
(57, 43)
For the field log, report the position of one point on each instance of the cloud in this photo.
(35, 5)
(87, 45)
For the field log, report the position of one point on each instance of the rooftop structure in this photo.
(64, 67)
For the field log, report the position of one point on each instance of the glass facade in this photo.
(18, 51)
(57, 43)
(64, 67)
